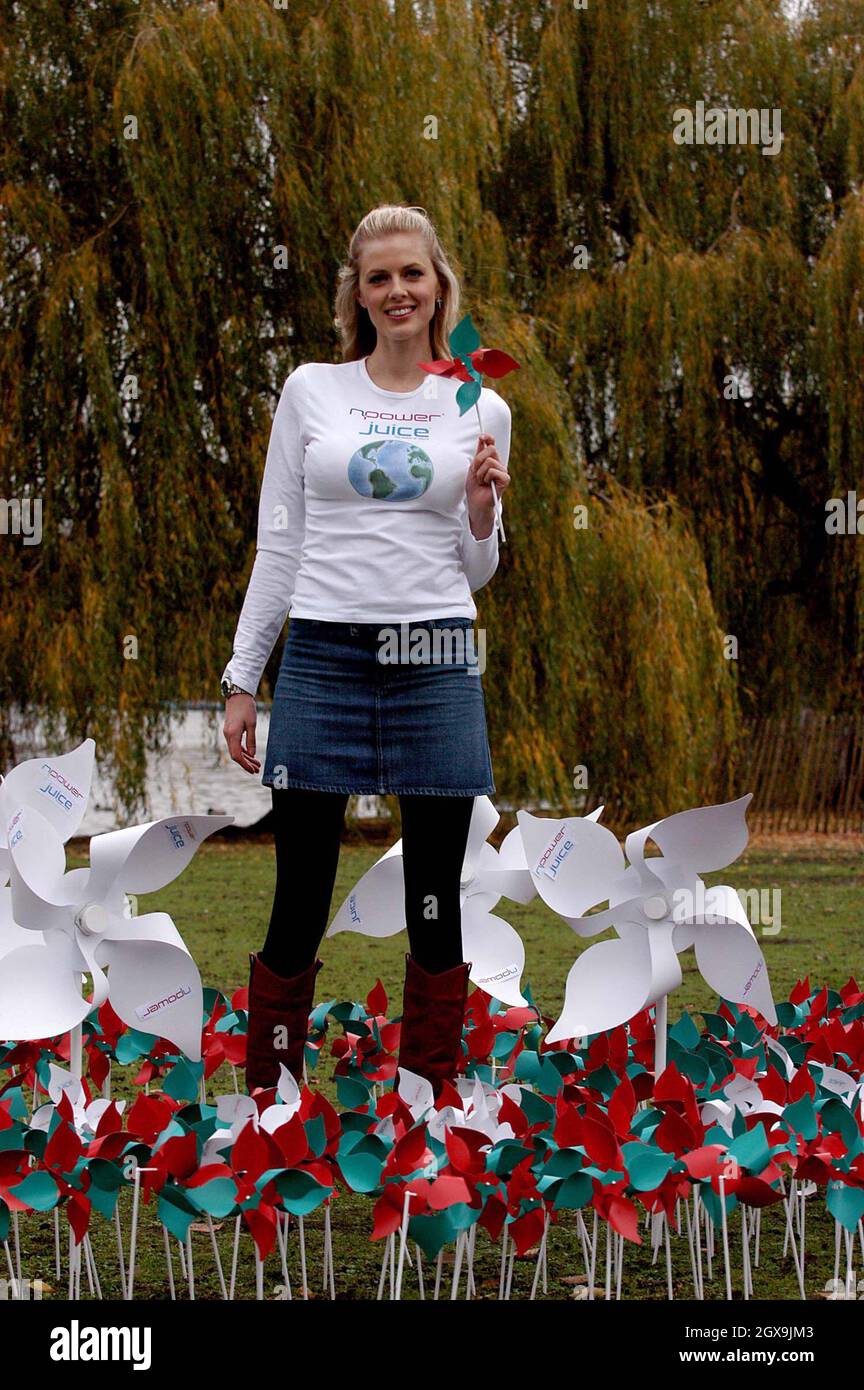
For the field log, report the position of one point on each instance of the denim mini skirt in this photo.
(368, 708)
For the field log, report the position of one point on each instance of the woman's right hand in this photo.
(239, 731)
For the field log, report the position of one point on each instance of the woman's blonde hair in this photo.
(356, 329)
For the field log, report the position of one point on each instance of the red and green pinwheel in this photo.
(469, 363)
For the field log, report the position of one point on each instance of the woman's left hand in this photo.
(486, 468)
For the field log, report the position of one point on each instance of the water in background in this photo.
(195, 775)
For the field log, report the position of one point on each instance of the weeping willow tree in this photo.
(179, 183)
(703, 302)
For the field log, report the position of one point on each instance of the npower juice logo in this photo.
(159, 1005)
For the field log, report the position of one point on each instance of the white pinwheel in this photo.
(57, 925)
(376, 905)
(86, 1114)
(658, 906)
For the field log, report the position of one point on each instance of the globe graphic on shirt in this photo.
(393, 470)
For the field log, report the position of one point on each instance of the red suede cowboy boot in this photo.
(433, 1009)
(277, 1002)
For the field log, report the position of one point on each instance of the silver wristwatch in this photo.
(229, 688)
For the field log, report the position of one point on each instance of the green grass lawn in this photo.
(221, 904)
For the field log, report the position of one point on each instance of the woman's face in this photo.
(396, 274)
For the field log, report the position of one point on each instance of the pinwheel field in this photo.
(220, 903)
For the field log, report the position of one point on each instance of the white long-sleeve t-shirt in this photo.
(362, 514)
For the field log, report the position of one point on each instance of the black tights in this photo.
(308, 833)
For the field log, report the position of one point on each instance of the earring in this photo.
(438, 302)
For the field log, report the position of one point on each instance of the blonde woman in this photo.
(376, 519)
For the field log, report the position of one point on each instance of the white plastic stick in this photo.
(745, 1251)
(16, 1236)
(130, 1283)
(92, 1273)
(75, 1051)
(457, 1267)
(661, 1010)
(791, 1235)
(169, 1262)
(594, 1244)
(303, 1256)
(216, 1256)
(540, 1254)
(725, 1237)
(328, 1246)
(282, 1233)
(668, 1260)
(234, 1257)
(120, 1258)
(403, 1233)
(384, 1262)
(470, 1286)
(503, 1273)
(191, 1269)
(692, 1248)
(499, 522)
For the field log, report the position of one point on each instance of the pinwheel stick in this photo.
(661, 1015)
(499, 521)
(76, 1037)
